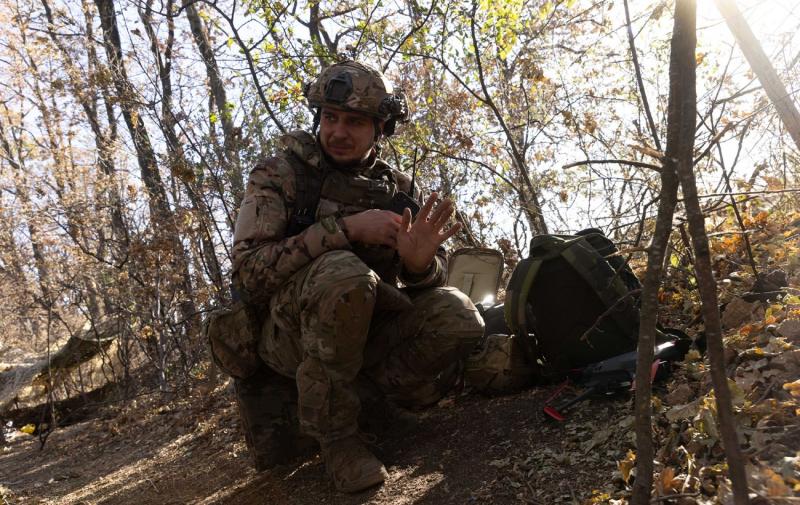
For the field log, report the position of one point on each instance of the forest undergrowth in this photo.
(188, 447)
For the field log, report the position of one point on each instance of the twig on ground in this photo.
(673, 496)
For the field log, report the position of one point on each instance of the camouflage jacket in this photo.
(264, 257)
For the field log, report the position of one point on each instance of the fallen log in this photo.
(80, 348)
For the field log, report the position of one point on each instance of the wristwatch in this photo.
(330, 224)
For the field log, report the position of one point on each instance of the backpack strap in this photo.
(588, 263)
(605, 281)
(543, 248)
(516, 305)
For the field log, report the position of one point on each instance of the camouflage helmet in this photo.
(353, 86)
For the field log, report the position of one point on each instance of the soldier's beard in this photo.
(353, 165)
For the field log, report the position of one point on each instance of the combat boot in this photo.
(351, 465)
(380, 415)
(268, 407)
(383, 417)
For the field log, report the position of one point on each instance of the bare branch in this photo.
(632, 163)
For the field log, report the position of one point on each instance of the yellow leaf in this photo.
(775, 485)
(28, 429)
(666, 482)
(793, 388)
(699, 58)
(656, 402)
(737, 393)
(692, 355)
(626, 465)
(545, 10)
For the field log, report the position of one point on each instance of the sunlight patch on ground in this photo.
(225, 494)
(405, 487)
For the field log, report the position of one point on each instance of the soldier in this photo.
(318, 255)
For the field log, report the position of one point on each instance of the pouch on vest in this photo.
(232, 341)
(572, 303)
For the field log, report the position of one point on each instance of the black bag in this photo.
(573, 302)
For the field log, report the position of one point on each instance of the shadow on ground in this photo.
(469, 449)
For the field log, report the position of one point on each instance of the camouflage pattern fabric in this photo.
(264, 259)
(268, 408)
(232, 340)
(499, 366)
(370, 92)
(324, 330)
(333, 310)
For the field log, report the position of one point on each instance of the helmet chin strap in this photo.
(378, 130)
(379, 134)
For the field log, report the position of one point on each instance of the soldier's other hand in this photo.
(417, 242)
(373, 226)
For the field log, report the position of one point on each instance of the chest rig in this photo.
(342, 192)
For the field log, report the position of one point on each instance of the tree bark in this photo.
(160, 212)
(87, 98)
(217, 87)
(531, 203)
(762, 67)
(706, 282)
(680, 143)
(181, 167)
(17, 162)
(162, 217)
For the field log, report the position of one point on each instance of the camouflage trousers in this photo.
(335, 323)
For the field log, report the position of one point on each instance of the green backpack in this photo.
(572, 302)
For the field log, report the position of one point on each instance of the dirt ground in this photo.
(469, 449)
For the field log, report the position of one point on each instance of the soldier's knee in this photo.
(338, 300)
(338, 271)
(452, 314)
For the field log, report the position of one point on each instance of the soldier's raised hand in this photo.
(418, 241)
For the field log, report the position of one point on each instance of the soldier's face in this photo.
(347, 137)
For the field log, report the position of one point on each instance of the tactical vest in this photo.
(322, 191)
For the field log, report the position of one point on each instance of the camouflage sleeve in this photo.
(435, 276)
(437, 273)
(263, 257)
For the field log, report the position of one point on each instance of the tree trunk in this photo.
(18, 164)
(201, 38)
(180, 166)
(708, 286)
(64, 175)
(762, 67)
(680, 144)
(529, 197)
(159, 206)
(162, 218)
(87, 98)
